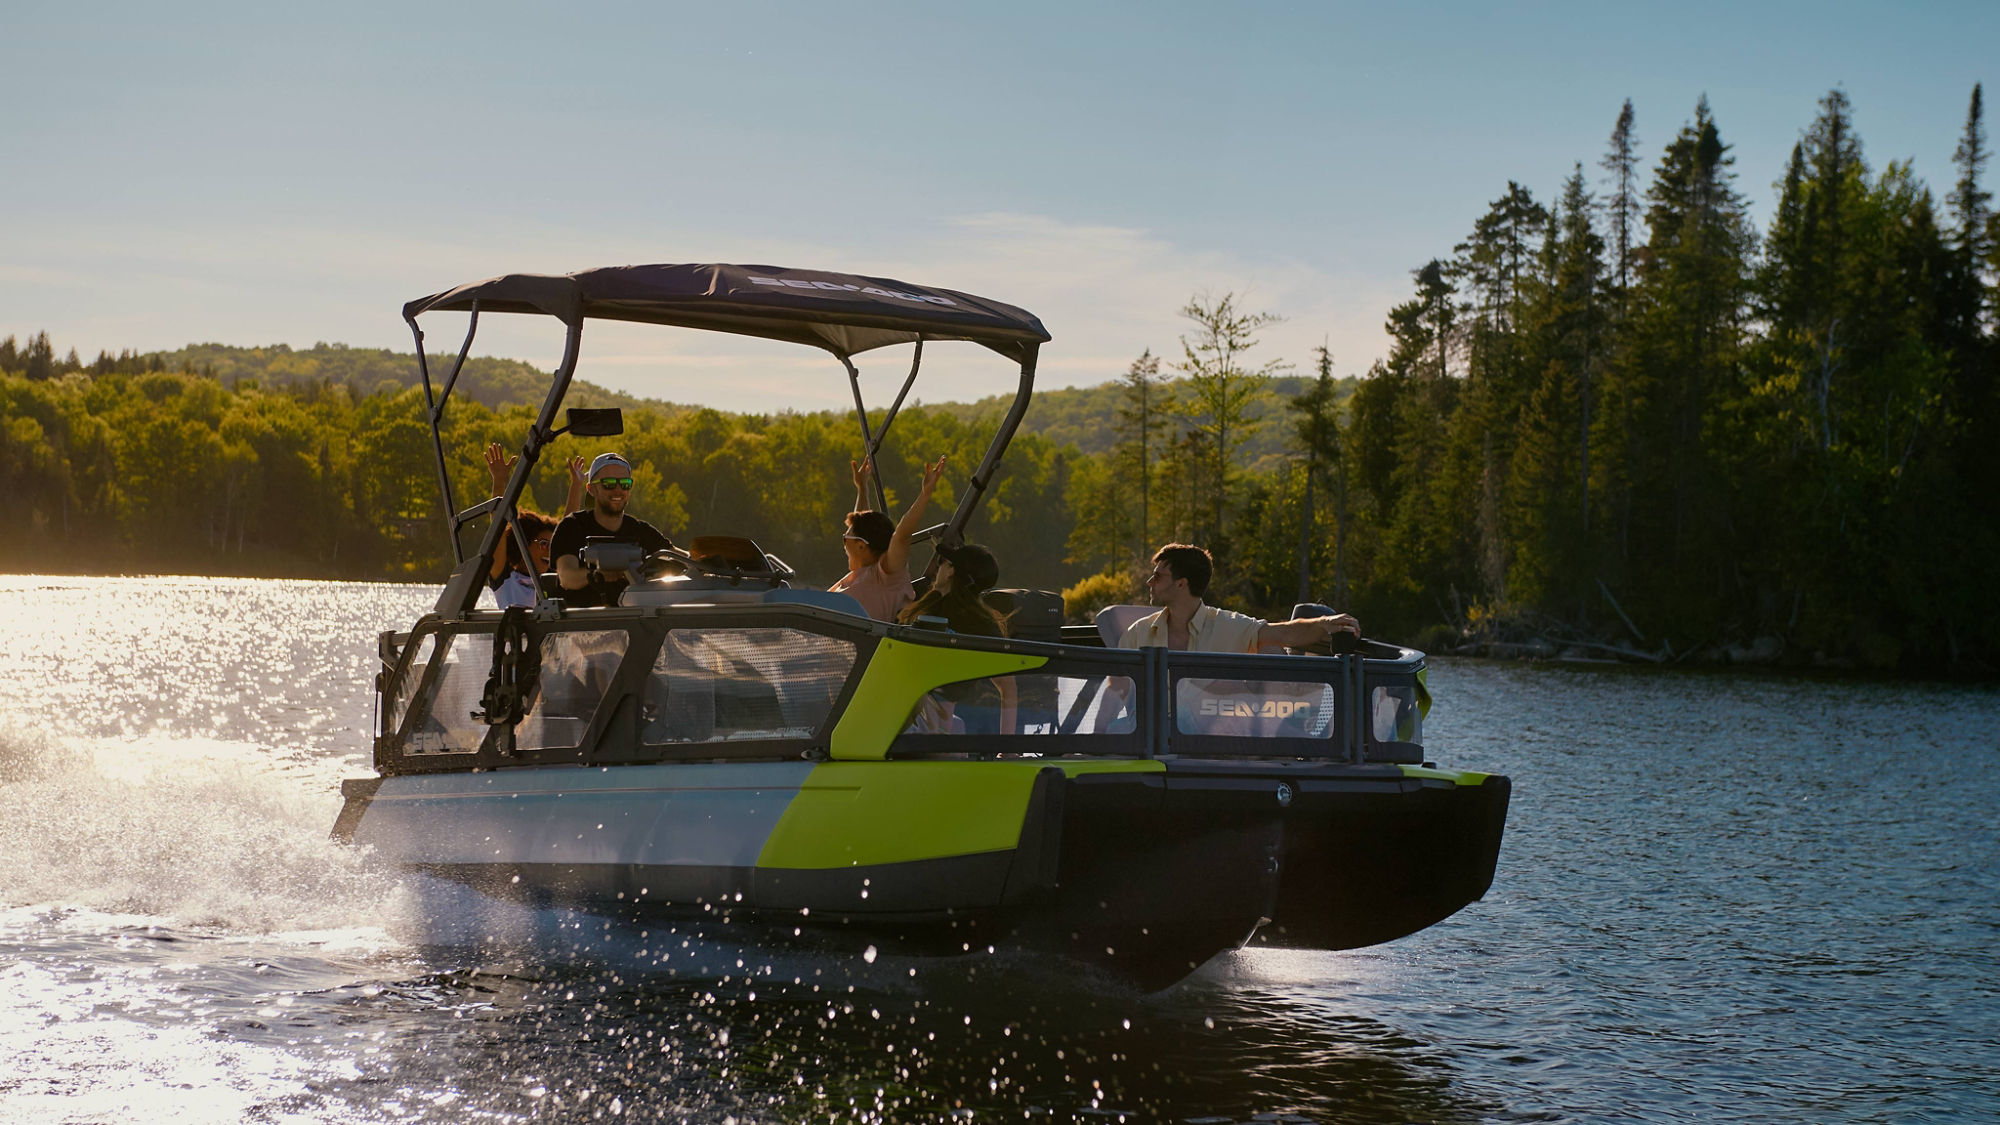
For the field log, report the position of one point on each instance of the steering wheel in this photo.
(672, 560)
(676, 560)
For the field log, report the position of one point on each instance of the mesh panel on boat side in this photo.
(721, 685)
(1253, 708)
(447, 726)
(577, 667)
(1028, 703)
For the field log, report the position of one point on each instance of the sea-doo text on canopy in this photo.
(725, 749)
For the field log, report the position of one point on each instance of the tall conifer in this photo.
(1142, 419)
(1621, 161)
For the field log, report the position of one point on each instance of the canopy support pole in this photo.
(867, 434)
(434, 414)
(975, 490)
(461, 593)
(875, 444)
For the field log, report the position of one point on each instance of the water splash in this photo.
(195, 832)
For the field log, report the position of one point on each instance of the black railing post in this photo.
(1154, 707)
(1354, 679)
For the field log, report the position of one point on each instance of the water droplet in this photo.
(868, 955)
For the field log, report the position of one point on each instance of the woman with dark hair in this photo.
(989, 706)
(878, 552)
(964, 574)
(514, 584)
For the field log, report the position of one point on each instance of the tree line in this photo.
(119, 470)
(1622, 417)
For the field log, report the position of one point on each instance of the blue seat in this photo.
(825, 599)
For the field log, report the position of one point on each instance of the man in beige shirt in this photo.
(1180, 577)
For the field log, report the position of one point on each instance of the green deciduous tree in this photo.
(1221, 385)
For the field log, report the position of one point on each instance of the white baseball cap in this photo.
(605, 460)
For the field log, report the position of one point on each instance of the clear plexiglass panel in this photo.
(447, 726)
(1253, 708)
(577, 668)
(1032, 703)
(721, 685)
(405, 689)
(1395, 716)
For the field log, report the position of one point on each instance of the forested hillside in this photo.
(1087, 417)
(1620, 418)
(493, 382)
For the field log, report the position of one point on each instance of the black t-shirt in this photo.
(579, 526)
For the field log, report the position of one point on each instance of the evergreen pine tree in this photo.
(1316, 432)
(1142, 421)
(1621, 161)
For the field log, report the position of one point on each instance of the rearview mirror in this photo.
(594, 421)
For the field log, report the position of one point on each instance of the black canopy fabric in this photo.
(843, 313)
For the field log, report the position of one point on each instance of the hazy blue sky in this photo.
(264, 173)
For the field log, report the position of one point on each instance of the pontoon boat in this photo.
(728, 749)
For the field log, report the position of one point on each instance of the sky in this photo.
(267, 173)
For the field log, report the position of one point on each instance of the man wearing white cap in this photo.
(610, 490)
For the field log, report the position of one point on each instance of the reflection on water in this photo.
(778, 1050)
(1721, 898)
(341, 1036)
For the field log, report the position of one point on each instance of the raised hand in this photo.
(932, 473)
(579, 477)
(499, 466)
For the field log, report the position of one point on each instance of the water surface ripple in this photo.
(1722, 898)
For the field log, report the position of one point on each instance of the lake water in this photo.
(1721, 898)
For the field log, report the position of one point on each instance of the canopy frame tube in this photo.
(873, 444)
(868, 441)
(982, 477)
(843, 314)
(434, 414)
(461, 593)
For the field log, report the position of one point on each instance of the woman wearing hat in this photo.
(963, 575)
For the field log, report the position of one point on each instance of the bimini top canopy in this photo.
(843, 313)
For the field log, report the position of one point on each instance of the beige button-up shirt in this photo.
(1210, 630)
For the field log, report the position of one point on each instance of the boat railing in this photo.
(789, 681)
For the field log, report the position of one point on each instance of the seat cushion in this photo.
(1113, 620)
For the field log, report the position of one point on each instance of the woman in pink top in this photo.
(878, 552)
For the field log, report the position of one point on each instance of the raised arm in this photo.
(896, 559)
(1302, 631)
(579, 475)
(498, 465)
(862, 470)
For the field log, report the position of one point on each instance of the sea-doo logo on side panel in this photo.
(838, 287)
(1256, 708)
